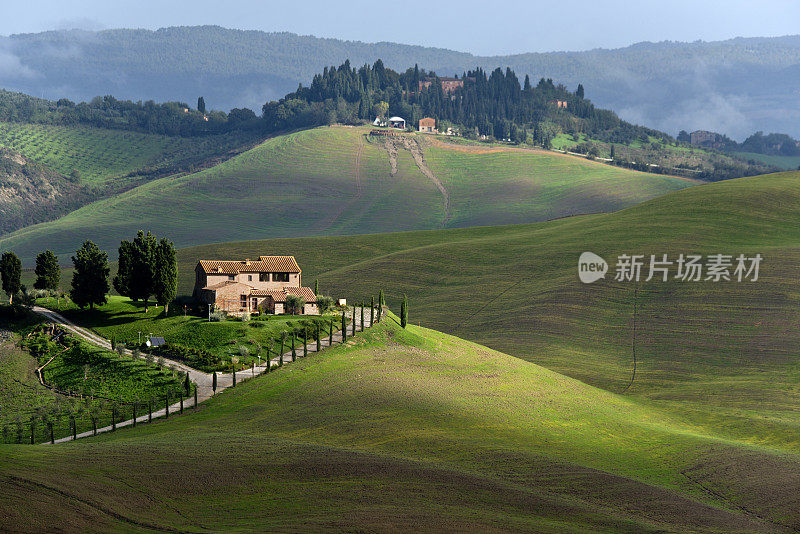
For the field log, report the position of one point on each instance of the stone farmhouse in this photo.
(427, 125)
(246, 286)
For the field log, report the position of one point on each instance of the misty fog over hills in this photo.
(734, 87)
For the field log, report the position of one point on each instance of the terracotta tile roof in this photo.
(220, 285)
(265, 264)
(279, 295)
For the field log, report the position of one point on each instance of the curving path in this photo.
(202, 380)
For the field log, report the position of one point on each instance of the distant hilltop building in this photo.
(427, 125)
(449, 85)
(244, 286)
(705, 138)
(561, 104)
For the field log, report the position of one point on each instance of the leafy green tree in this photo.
(90, 277)
(294, 304)
(165, 274)
(324, 304)
(48, 273)
(11, 273)
(404, 312)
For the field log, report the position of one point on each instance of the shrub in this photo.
(217, 316)
(245, 317)
(193, 357)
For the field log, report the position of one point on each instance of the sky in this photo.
(479, 27)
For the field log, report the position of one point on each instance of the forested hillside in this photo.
(735, 87)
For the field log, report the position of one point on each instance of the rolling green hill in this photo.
(727, 349)
(336, 180)
(406, 430)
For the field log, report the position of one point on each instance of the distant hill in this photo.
(336, 180)
(735, 87)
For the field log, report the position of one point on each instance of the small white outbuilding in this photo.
(397, 122)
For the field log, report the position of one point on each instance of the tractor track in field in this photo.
(19, 481)
(413, 146)
(719, 496)
(331, 220)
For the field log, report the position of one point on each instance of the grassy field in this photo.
(784, 162)
(333, 180)
(125, 321)
(727, 349)
(406, 430)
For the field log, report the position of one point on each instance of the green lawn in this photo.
(125, 321)
(407, 430)
(333, 181)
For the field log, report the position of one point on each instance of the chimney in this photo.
(247, 262)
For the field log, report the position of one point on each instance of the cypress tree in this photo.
(362, 316)
(214, 382)
(122, 280)
(280, 356)
(371, 310)
(404, 312)
(201, 105)
(344, 327)
(234, 376)
(11, 274)
(187, 384)
(380, 305)
(305, 341)
(294, 352)
(319, 335)
(330, 339)
(316, 287)
(143, 267)
(134, 413)
(150, 410)
(48, 273)
(195, 395)
(165, 273)
(90, 278)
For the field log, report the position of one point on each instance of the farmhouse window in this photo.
(249, 277)
(231, 277)
(280, 277)
(263, 277)
(243, 301)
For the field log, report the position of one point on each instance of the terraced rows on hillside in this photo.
(101, 155)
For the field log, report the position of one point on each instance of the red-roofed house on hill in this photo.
(245, 286)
